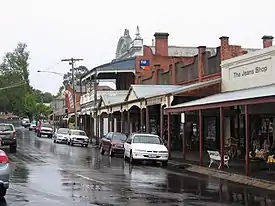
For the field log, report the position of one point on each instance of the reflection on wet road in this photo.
(56, 174)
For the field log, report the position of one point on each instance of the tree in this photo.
(42, 97)
(18, 96)
(79, 71)
(60, 90)
(30, 105)
(42, 111)
(14, 71)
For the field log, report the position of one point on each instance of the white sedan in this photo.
(145, 147)
(61, 135)
(78, 137)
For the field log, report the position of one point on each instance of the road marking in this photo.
(82, 176)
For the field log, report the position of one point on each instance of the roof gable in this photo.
(131, 95)
(142, 91)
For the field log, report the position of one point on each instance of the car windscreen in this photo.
(4, 128)
(46, 125)
(119, 137)
(81, 133)
(63, 131)
(147, 139)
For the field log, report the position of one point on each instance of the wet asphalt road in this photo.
(54, 174)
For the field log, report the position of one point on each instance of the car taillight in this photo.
(3, 157)
(13, 134)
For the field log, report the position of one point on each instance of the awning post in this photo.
(201, 137)
(246, 140)
(222, 137)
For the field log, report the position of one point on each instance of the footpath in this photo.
(237, 178)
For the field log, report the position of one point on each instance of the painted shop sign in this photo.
(144, 64)
(253, 73)
(250, 72)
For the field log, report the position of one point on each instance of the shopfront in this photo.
(239, 120)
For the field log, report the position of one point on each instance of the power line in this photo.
(12, 86)
(71, 62)
(54, 65)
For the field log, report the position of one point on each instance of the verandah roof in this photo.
(246, 96)
(143, 92)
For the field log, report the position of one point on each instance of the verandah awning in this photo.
(256, 95)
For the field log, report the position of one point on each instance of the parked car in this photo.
(32, 125)
(45, 129)
(78, 137)
(113, 143)
(145, 147)
(61, 135)
(5, 171)
(8, 136)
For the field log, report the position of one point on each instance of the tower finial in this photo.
(138, 33)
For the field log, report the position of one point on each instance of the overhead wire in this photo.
(51, 67)
(14, 85)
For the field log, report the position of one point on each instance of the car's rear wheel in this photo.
(101, 150)
(50, 136)
(131, 159)
(164, 163)
(13, 148)
(3, 192)
(86, 145)
(111, 153)
(124, 156)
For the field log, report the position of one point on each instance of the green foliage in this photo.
(42, 111)
(60, 91)
(29, 105)
(13, 72)
(16, 95)
(43, 97)
(79, 71)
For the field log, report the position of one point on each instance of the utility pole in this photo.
(95, 109)
(71, 62)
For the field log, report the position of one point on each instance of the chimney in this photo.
(224, 41)
(161, 44)
(201, 59)
(225, 53)
(267, 41)
(201, 49)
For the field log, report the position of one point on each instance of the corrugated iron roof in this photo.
(114, 98)
(244, 94)
(185, 88)
(143, 91)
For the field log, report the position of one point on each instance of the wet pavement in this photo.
(47, 173)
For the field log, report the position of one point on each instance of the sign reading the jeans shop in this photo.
(248, 72)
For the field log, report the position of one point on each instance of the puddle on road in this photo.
(91, 179)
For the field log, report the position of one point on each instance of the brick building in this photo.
(190, 69)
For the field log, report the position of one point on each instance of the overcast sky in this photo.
(88, 29)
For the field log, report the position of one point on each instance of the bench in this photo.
(215, 157)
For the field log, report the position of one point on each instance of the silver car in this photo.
(61, 135)
(5, 171)
(8, 136)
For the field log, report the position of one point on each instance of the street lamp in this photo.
(74, 95)
(58, 73)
